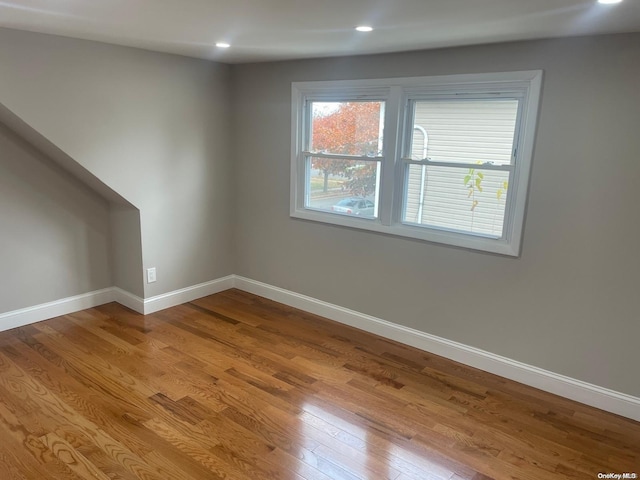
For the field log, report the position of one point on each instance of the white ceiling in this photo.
(263, 30)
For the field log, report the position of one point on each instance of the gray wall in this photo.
(569, 304)
(54, 231)
(151, 126)
(126, 249)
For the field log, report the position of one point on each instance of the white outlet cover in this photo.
(151, 275)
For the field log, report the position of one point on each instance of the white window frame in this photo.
(397, 93)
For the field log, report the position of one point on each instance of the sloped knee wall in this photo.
(54, 231)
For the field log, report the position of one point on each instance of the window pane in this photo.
(339, 186)
(347, 128)
(452, 198)
(464, 131)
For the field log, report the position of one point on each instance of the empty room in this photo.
(328, 240)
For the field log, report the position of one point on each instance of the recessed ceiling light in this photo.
(222, 45)
(609, 2)
(364, 28)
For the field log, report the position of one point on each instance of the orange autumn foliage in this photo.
(352, 129)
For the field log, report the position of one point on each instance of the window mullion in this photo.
(392, 139)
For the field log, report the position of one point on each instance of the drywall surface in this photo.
(126, 249)
(568, 304)
(54, 231)
(49, 150)
(153, 127)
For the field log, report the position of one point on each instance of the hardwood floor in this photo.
(238, 387)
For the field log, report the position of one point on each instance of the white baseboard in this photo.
(64, 306)
(583, 392)
(128, 299)
(184, 295)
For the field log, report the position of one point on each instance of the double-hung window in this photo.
(442, 159)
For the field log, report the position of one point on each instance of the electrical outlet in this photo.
(151, 275)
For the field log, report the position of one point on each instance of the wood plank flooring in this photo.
(234, 386)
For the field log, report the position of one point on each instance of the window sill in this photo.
(431, 235)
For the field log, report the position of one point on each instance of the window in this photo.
(442, 159)
(342, 161)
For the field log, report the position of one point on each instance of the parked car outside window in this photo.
(354, 206)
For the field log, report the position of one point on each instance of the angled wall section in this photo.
(152, 127)
(54, 231)
(41, 163)
(126, 249)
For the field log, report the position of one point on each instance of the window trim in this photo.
(397, 92)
